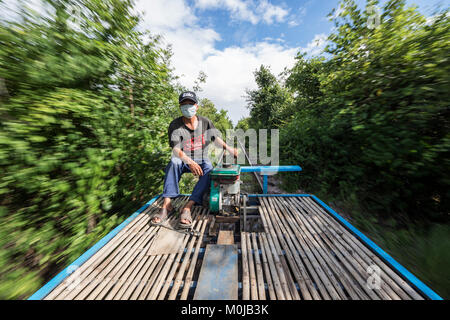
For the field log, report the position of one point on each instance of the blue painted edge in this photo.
(280, 195)
(265, 182)
(376, 249)
(382, 254)
(53, 283)
(270, 169)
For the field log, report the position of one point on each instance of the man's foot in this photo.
(162, 215)
(185, 218)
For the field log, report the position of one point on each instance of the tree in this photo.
(270, 104)
(373, 123)
(244, 124)
(82, 132)
(219, 117)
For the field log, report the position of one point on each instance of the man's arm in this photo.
(216, 137)
(195, 168)
(221, 144)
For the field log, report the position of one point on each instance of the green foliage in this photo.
(370, 127)
(83, 133)
(373, 118)
(219, 117)
(269, 104)
(243, 124)
(85, 103)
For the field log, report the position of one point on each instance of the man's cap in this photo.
(187, 95)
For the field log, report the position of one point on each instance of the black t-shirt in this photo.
(194, 143)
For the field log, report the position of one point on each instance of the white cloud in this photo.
(243, 10)
(271, 13)
(229, 71)
(170, 14)
(239, 9)
(316, 46)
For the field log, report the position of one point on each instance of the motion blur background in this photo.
(86, 96)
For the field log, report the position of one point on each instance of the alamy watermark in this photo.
(374, 17)
(261, 147)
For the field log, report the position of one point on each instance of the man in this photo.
(189, 138)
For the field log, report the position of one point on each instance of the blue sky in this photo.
(230, 39)
(305, 19)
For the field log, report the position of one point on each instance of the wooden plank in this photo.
(272, 224)
(135, 286)
(225, 237)
(105, 273)
(325, 257)
(245, 268)
(136, 254)
(306, 287)
(149, 278)
(106, 253)
(277, 254)
(358, 250)
(259, 273)
(273, 270)
(98, 274)
(197, 225)
(266, 268)
(326, 272)
(83, 271)
(218, 279)
(277, 237)
(178, 279)
(331, 257)
(253, 285)
(392, 279)
(305, 252)
(131, 280)
(171, 264)
(143, 291)
(349, 262)
(223, 219)
(188, 279)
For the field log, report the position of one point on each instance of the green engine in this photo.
(224, 197)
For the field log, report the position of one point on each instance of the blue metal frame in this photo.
(270, 169)
(266, 170)
(265, 183)
(53, 283)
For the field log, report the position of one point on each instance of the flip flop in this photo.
(162, 215)
(186, 215)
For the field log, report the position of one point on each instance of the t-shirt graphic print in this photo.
(194, 143)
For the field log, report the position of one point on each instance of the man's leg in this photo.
(172, 177)
(200, 188)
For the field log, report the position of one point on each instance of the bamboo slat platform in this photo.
(306, 254)
(300, 253)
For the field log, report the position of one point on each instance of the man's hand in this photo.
(233, 151)
(195, 168)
